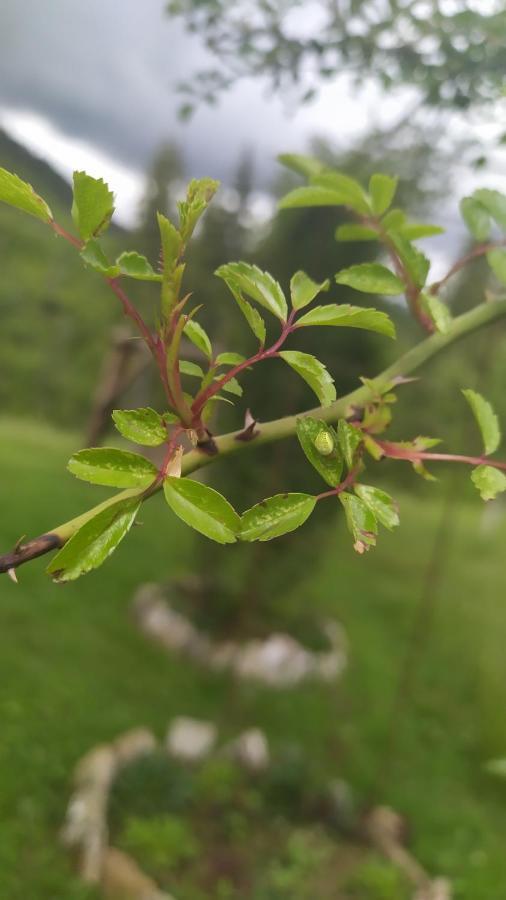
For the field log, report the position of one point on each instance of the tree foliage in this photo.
(451, 53)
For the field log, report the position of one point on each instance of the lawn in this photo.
(73, 672)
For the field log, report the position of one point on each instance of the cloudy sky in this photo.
(93, 85)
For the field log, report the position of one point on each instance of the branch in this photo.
(269, 432)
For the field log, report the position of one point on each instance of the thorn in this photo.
(12, 575)
(248, 432)
(18, 543)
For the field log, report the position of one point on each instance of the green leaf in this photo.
(233, 387)
(313, 372)
(252, 316)
(382, 189)
(489, 481)
(496, 767)
(229, 359)
(171, 242)
(304, 165)
(196, 334)
(371, 278)
(276, 516)
(190, 368)
(135, 265)
(22, 196)
(349, 438)
(437, 311)
(312, 195)
(259, 286)
(111, 467)
(93, 256)
(486, 418)
(202, 508)
(476, 218)
(495, 204)
(142, 426)
(348, 188)
(394, 220)
(414, 260)
(496, 259)
(413, 231)
(90, 546)
(349, 317)
(93, 205)
(361, 522)
(381, 504)
(198, 196)
(329, 466)
(355, 233)
(303, 289)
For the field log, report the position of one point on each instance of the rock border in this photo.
(279, 661)
(118, 876)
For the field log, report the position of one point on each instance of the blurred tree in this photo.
(163, 178)
(451, 51)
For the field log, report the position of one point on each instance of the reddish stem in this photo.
(393, 451)
(343, 486)
(475, 253)
(204, 396)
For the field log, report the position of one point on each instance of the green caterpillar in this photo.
(324, 443)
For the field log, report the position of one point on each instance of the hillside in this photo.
(56, 318)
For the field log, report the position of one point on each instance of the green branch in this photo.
(269, 432)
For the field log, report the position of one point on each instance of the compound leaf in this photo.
(276, 516)
(352, 232)
(476, 218)
(350, 317)
(111, 467)
(142, 426)
(90, 546)
(93, 205)
(371, 278)
(349, 438)
(135, 265)
(196, 334)
(380, 503)
(93, 256)
(489, 481)
(313, 372)
(202, 508)
(304, 165)
(303, 289)
(328, 464)
(382, 189)
(21, 195)
(250, 281)
(437, 311)
(486, 418)
(361, 522)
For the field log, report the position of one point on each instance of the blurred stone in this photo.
(190, 740)
(96, 767)
(439, 889)
(133, 744)
(122, 879)
(224, 655)
(251, 750)
(342, 805)
(279, 660)
(85, 826)
(159, 621)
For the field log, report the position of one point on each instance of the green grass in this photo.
(74, 671)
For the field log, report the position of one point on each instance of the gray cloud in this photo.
(106, 70)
